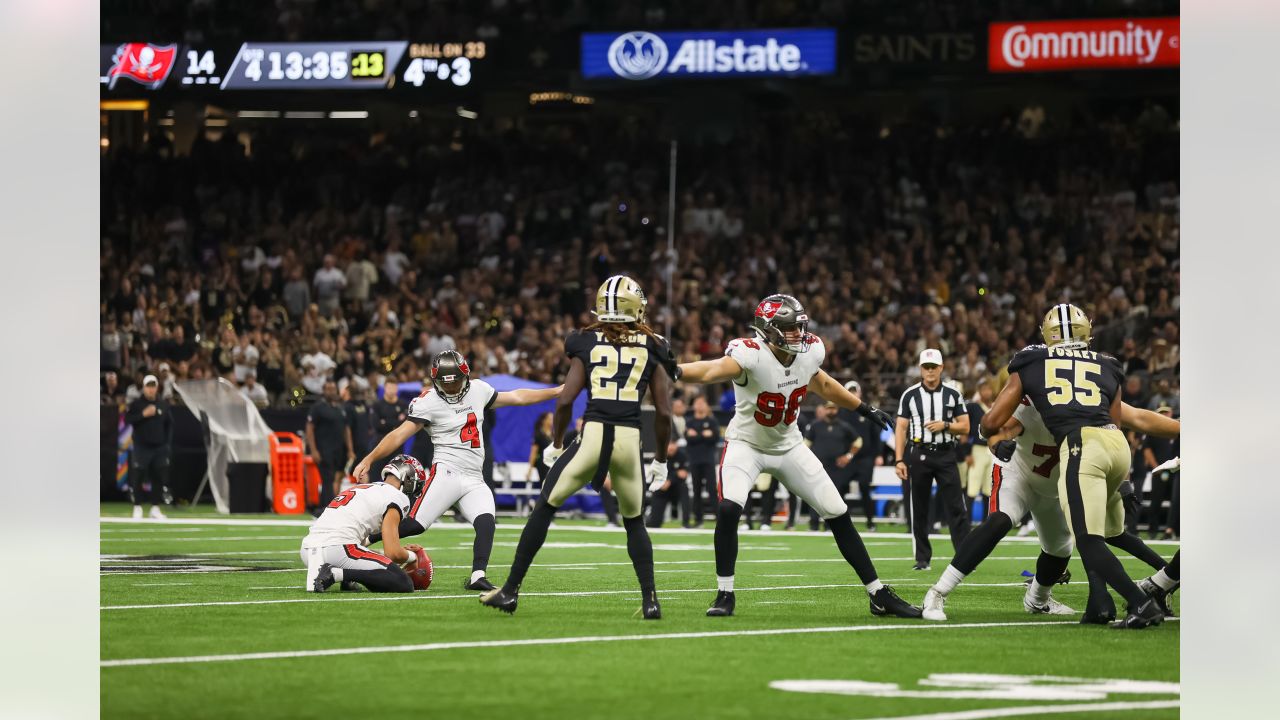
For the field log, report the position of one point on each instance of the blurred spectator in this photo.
(252, 391)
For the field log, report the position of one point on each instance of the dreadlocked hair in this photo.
(620, 333)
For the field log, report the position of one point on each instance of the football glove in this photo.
(656, 476)
(1003, 450)
(874, 413)
(551, 454)
(1174, 465)
(1129, 498)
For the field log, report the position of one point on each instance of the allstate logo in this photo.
(638, 55)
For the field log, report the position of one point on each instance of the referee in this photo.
(933, 415)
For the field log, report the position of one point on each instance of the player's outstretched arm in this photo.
(1148, 422)
(574, 382)
(393, 441)
(828, 389)
(1002, 411)
(710, 371)
(526, 396)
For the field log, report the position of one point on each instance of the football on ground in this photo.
(200, 606)
(422, 571)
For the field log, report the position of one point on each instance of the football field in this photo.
(204, 617)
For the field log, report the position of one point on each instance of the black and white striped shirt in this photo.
(921, 405)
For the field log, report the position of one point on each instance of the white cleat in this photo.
(933, 604)
(156, 514)
(765, 528)
(1052, 607)
(137, 512)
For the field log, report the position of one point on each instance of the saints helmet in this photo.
(620, 300)
(777, 315)
(408, 471)
(450, 370)
(1066, 325)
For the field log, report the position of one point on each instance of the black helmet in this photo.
(408, 471)
(449, 367)
(779, 314)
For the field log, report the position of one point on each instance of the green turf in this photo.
(671, 677)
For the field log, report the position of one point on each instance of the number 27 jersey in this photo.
(768, 394)
(456, 429)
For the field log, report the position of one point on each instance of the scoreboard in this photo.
(356, 65)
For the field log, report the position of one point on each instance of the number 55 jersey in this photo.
(768, 394)
(1070, 388)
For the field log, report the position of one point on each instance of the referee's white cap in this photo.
(931, 356)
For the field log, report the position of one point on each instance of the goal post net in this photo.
(234, 431)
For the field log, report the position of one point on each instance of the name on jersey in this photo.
(1072, 353)
(792, 381)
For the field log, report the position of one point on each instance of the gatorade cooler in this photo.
(287, 490)
(311, 475)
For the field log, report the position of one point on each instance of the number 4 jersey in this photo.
(1070, 388)
(768, 394)
(456, 428)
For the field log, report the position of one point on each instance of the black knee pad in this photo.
(999, 522)
(410, 527)
(485, 520)
(729, 511)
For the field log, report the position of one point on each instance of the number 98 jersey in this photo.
(617, 375)
(768, 394)
(456, 429)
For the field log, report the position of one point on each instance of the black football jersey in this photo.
(617, 375)
(1070, 389)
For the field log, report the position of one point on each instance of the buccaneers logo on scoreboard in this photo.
(143, 63)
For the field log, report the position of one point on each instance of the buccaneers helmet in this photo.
(450, 375)
(620, 300)
(408, 471)
(1067, 326)
(778, 315)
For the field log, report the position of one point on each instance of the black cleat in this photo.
(1159, 594)
(350, 586)
(481, 584)
(886, 602)
(1145, 615)
(723, 606)
(324, 579)
(650, 607)
(504, 601)
(1099, 611)
(920, 566)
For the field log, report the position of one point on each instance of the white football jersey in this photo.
(1036, 459)
(355, 514)
(456, 429)
(768, 394)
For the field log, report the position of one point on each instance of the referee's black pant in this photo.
(939, 466)
(148, 465)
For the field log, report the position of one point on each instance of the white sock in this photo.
(477, 575)
(874, 586)
(337, 574)
(724, 584)
(1162, 579)
(951, 577)
(1038, 593)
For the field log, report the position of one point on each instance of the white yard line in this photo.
(425, 596)
(907, 627)
(982, 714)
(160, 584)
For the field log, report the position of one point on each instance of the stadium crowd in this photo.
(354, 257)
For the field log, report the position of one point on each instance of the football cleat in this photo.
(920, 566)
(933, 604)
(480, 583)
(1159, 594)
(723, 605)
(496, 598)
(650, 608)
(1144, 616)
(156, 514)
(886, 602)
(137, 512)
(323, 579)
(1099, 612)
(1051, 607)
(349, 586)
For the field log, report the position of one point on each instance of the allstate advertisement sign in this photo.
(642, 55)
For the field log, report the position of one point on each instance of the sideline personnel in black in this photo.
(388, 414)
(673, 490)
(702, 436)
(862, 469)
(834, 442)
(328, 434)
(934, 416)
(152, 423)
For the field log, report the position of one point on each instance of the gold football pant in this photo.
(1095, 460)
(599, 450)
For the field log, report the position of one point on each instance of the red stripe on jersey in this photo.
(720, 472)
(413, 511)
(355, 552)
(995, 489)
